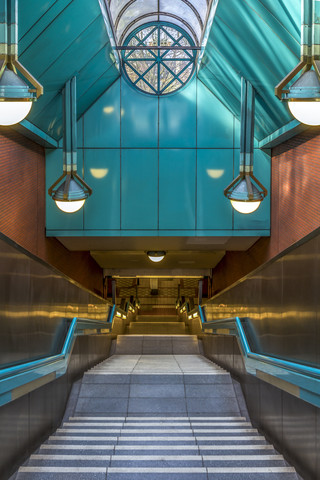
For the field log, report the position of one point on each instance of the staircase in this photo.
(157, 325)
(156, 417)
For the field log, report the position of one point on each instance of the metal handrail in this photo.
(306, 378)
(53, 366)
(238, 328)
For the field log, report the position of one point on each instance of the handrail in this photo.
(19, 379)
(304, 377)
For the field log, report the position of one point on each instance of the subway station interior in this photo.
(160, 239)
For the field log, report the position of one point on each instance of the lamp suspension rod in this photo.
(247, 126)
(70, 126)
(250, 102)
(9, 29)
(306, 30)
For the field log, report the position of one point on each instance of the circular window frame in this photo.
(159, 60)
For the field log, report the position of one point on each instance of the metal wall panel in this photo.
(34, 299)
(190, 130)
(102, 172)
(104, 133)
(281, 299)
(288, 422)
(139, 189)
(29, 420)
(171, 126)
(214, 121)
(214, 173)
(139, 118)
(177, 169)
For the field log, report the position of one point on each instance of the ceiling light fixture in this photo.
(16, 96)
(303, 96)
(70, 191)
(155, 256)
(246, 192)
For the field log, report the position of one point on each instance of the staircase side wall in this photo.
(292, 425)
(29, 420)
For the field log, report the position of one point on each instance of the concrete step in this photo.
(157, 318)
(156, 328)
(157, 345)
(156, 417)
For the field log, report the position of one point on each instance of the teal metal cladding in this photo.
(158, 167)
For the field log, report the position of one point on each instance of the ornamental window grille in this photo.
(166, 67)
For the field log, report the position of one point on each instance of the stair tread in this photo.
(185, 424)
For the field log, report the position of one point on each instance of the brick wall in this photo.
(295, 207)
(22, 209)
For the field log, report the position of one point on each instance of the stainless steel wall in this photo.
(34, 298)
(288, 422)
(282, 301)
(29, 420)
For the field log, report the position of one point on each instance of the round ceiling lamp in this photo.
(156, 256)
(70, 196)
(15, 98)
(303, 95)
(304, 98)
(245, 196)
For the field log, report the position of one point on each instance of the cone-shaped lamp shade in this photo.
(304, 98)
(15, 98)
(72, 200)
(242, 200)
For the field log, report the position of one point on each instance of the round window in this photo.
(158, 60)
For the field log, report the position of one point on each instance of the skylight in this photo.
(190, 15)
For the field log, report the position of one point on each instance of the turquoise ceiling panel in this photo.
(139, 189)
(102, 173)
(214, 173)
(58, 40)
(257, 39)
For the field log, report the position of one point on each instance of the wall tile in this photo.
(102, 120)
(139, 189)
(214, 173)
(177, 169)
(139, 118)
(102, 173)
(215, 122)
(178, 130)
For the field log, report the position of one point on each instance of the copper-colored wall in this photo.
(22, 209)
(295, 208)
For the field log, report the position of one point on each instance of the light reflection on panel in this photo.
(34, 299)
(282, 301)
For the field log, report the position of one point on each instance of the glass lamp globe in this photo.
(305, 112)
(70, 206)
(156, 256)
(14, 112)
(245, 207)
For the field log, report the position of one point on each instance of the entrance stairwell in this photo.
(156, 410)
